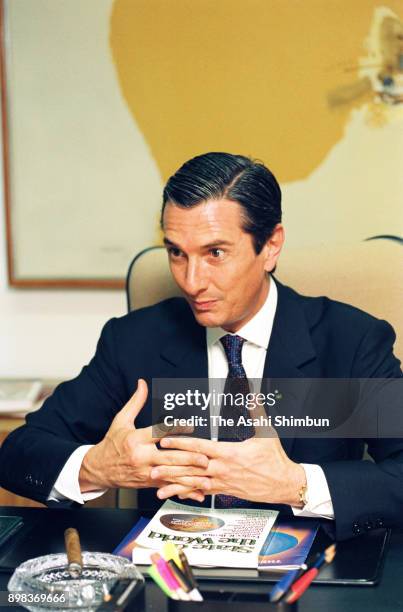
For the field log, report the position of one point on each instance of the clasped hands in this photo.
(256, 469)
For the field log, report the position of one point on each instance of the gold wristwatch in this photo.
(303, 495)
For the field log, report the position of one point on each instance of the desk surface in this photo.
(43, 533)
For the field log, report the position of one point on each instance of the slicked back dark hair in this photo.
(216, 176)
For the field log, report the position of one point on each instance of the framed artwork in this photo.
(82, 190)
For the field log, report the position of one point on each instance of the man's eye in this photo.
(174, 252)
(217, 253)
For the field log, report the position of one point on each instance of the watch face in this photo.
(303, 495)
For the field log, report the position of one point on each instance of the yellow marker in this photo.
(171, 552)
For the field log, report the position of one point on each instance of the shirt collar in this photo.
(258, 329)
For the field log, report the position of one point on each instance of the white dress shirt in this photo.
(256, 334)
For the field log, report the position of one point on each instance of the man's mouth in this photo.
(202, 305)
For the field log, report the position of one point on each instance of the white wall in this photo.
(49, 333)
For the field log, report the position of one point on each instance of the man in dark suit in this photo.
(222, 228)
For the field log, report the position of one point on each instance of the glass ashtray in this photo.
(44, 583)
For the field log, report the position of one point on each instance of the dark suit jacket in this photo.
(311, 337)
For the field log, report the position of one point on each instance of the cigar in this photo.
(73, 550)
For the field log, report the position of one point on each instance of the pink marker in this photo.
(165, 572)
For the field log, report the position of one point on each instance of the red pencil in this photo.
(300, 586)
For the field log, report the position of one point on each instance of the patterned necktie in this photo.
(235, 392)
(237, 386)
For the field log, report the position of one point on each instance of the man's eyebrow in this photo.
(209, 245)
(217, 243)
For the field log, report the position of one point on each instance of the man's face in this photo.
(214, 263)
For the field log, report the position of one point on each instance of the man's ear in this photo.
(273, 247)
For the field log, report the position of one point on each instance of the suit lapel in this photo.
(185, 354)
(290, 348)
(183, 359)
(290, 344)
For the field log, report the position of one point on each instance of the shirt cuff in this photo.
(318, 494)
(67, 485)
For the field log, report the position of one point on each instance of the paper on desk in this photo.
(18, 396)
(209, 537)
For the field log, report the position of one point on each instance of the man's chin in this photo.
(207, 319)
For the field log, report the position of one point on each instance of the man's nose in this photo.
(195, 278)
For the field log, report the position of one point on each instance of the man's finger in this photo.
(206, 447)
(186, 493)
(195, 495)
(156, 432)
(171, 490)
(171, 473)
(261, 431)
(174, 457)
(192, 482)
(265, 431)
(127, 415)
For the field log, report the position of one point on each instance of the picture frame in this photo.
(81, 188)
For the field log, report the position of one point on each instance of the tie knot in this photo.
(233, 349)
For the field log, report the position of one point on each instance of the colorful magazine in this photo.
(209, 537)
(125, 547)
(287, 545)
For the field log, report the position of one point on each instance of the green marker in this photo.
(153, 572)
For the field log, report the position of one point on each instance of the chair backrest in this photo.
(368, 275)
(148, 279)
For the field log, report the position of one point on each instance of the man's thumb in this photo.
(127, 415)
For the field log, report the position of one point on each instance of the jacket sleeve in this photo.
(79, 412)
(369, 494)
